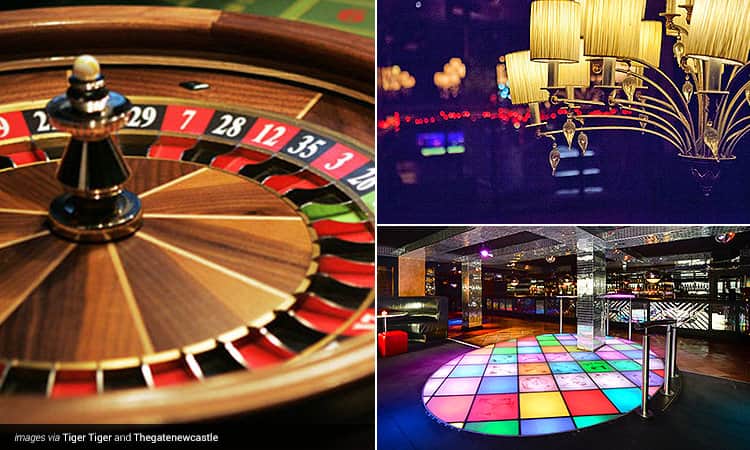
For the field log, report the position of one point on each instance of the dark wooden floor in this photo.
(725, 359)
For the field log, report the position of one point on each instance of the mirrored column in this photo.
(592, 284)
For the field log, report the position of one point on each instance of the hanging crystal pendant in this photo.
(569, 130)
(643, 121)
(679, 50)
(628, 86)
(583, 142)
(711, 139)
(687, 90)
(554, 158)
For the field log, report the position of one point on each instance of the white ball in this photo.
(86, 68)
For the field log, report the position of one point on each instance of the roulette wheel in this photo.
(186, 217)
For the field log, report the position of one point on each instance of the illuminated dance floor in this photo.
(539, 385)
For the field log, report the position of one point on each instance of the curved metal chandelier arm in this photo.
(743, 71)
(634, 106)
(687, 125)
(675, 137)
(618, 128)
(730, 130)
(732, 140)
(678, 93)
(726, 121)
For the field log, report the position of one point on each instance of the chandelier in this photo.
(599, 60)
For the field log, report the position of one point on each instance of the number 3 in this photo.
(345, 157)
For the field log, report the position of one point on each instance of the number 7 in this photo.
(189, 113)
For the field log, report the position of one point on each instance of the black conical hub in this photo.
(95, 207)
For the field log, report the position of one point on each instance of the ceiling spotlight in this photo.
(514, 282)
(725, 238)
(550, 259)
(653, 277)
(567, 280)
(484, 253)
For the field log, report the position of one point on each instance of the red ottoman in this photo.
(392, 343)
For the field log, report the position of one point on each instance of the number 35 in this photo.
(307, 147)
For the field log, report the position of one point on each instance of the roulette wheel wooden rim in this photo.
(235, 392)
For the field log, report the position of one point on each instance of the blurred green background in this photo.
(354, 16)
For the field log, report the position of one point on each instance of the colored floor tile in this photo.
(498, 385)
(504, 351)
(625, 399)
(536, 383)
(502, 359)
(494, 407)
(541, 405)
(450, 409)
(587, 403)
(609, 356)
(584, 356)
(443, 372)
(637, 378)
(589, 421)
(481, 351)
(459, 386)
(535, 427)
(533, 369)
(655, 363)
(431, 386)
(622, 347)
(475, 359)
(624, 365)
(634, 354)
(596, 366)
(531, 358)
(565, 367)
(553, 349)
(467, 371)
(574, 381)
(529, 350)
(497, 427)
(500, 370)
(606, 380)
(558, 357)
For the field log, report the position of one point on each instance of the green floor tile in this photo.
(596, 366)
(498, 427)
(504, 351)
(588, 421)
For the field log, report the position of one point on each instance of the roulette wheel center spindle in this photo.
(94, 207)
